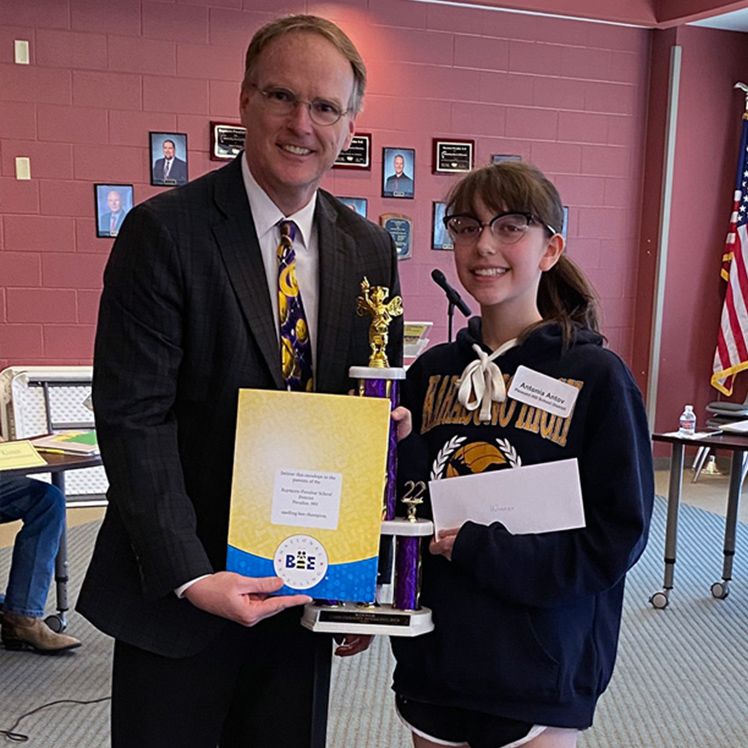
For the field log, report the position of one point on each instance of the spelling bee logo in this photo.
(300, 561)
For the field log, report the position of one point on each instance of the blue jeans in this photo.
(41, 508)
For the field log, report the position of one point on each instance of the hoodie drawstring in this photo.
(482, 382)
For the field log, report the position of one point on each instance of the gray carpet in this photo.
(679, 682)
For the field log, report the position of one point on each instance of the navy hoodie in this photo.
(526, 626)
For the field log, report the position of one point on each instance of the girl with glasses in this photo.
(526, 626)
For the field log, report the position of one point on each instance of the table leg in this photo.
(321, 693)
(662, 598)
(720, 590)
(58, 622)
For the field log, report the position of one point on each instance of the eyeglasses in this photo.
(284, 102)
(507, 228)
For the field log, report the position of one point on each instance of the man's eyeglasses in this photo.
(507, 228)
(284, 102)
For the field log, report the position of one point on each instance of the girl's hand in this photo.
(404, 420)
(444, 544)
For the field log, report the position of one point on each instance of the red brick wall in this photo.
(567, 95)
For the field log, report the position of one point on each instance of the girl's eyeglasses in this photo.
(507, 228)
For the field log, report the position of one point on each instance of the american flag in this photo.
(731, 356)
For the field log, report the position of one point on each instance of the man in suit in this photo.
(188, 316)
(110, 222)
(169, 169)
(399, 184)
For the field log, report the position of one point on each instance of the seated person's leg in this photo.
(41, 508)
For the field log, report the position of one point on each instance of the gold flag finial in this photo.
(373, 302)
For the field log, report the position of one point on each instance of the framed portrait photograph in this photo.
(357, 204)
(398, 172)
(358, 156)
(226, 140)
(440, 238)
(112, 203)
(168, 158)
(452, 156)
(400, 228)
(497, 158)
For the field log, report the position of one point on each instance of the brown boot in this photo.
(25, 632)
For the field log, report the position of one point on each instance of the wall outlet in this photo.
(23, 167)
(21, 52)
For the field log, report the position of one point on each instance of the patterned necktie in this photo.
(296, 348)
(167, 168)
(113, 224)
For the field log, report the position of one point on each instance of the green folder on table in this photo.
(69, 442)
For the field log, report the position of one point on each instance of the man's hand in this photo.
(241, 599)
(444, 544)
(351, 644)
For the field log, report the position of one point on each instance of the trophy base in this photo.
(403, 527)
(379, 620)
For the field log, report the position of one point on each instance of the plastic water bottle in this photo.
(687, 422)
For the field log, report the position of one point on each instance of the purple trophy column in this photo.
(387, 388)
(407, 572)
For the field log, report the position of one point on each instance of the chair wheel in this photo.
(56, 623)
(720, 590)
(659, 600)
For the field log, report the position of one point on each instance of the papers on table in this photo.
(532, 499)
(20, 454)
(68, 442)
(736, 427)
(414, 338)
(698, 434)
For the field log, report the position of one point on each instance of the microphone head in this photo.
(438, 276)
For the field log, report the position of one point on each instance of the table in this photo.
(738, 447)
(57, 464)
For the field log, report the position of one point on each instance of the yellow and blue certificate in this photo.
(307, 492)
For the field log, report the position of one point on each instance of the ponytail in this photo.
(566, 297)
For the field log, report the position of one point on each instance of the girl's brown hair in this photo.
(565, 295)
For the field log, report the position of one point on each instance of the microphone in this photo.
(454, 298)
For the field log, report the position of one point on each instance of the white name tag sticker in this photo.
(544, 392)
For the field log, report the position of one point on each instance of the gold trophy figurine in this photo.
(372, 302)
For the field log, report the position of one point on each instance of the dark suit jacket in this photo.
(185, 321)
(178, 172)
(105, 222)
(402, 184)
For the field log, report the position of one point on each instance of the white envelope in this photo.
(532, 499)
